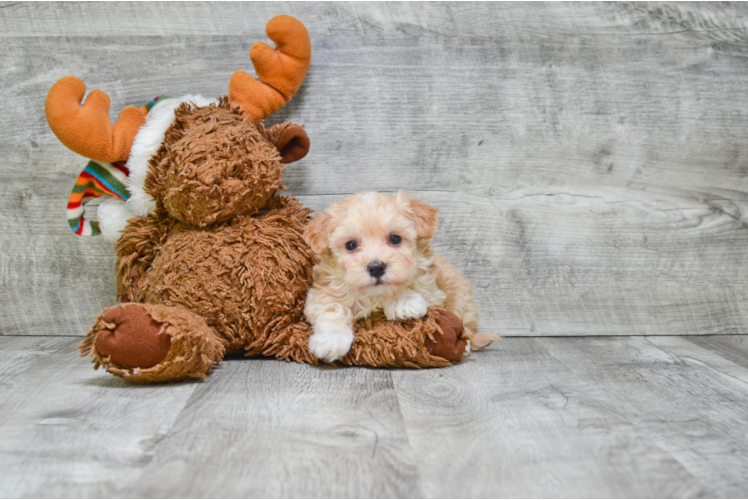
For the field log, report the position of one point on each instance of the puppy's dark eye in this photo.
(395, 239)
(351, 246)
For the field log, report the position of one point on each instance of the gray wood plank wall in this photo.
(590, 160)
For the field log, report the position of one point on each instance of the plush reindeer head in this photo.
(204, 161)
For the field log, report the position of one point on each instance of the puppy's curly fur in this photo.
(373, 253)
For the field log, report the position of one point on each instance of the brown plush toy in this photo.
(210, 259)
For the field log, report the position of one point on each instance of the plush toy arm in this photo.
(435, 340)
(136, 249)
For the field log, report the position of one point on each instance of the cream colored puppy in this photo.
(374, 253)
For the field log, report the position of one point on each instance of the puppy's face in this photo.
(373, 238)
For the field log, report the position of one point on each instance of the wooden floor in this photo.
(530, 417)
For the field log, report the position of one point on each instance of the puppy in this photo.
(374, 253)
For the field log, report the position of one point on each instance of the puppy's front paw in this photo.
(330, 344)
(409, 305)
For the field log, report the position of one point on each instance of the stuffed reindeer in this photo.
(210, 258)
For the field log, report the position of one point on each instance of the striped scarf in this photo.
(98, 179)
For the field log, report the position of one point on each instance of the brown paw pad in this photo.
(135, 341)
(447, 344)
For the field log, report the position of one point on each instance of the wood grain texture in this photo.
(732, 347)
(589, 160)
(524, 424)
(68, 431)
(531, 417)
(280, 430)
(391, 19)
(20, 353)
(677, 395)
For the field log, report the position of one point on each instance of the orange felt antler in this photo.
(280, 71)
(87, 129)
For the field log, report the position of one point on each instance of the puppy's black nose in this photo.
(376, 269)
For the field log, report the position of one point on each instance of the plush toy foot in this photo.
(449, 343)
(152, 343)
(135, 341)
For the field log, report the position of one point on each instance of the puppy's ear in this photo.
(425, 217)
(316, 233)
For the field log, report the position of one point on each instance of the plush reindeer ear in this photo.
(425, 217)
(293, 144)
(290, 140)
(316, 233)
